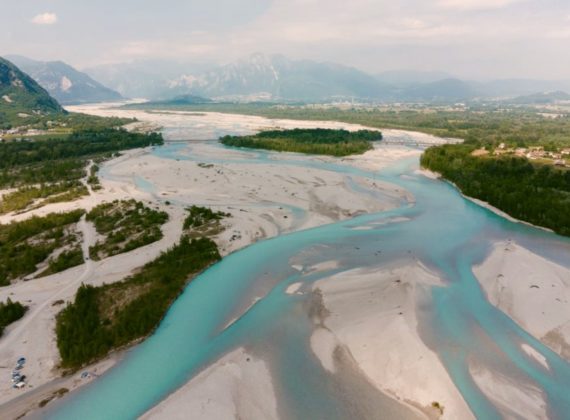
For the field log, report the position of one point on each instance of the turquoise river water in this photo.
(444, 231)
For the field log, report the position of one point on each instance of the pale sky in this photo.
(478, 39)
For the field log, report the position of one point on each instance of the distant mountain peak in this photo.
(63, 82)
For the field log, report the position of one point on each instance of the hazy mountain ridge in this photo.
(22, 95)
(153, 79)
(275, 77)
(543, 98)
(65, 83)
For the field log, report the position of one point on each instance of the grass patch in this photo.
(35, 197)
(65, 260)
(125, 225)
(24, 245)
(202, 221)
(93, 179)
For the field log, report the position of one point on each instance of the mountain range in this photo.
(275, 77)
(21, 96)
(65, 83)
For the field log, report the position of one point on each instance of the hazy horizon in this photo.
(469, 39)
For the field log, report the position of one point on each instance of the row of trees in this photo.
(538, 194)
(107, 317)
(78, 144)
(313, 141)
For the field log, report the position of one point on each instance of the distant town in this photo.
(560, 157)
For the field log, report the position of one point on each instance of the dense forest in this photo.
(314, 141)
(536, 194)
(48, 171)
(25, 244)
(10, 312)
(78, 144)
(107, 317)
(124, 226)
(42, 173)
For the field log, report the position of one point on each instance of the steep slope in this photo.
(20, 95)
(63, 82)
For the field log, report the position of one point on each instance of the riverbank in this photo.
(533, 291)
(434, 175)
(238, 386)
(374, 315)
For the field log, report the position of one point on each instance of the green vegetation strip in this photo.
(203, 221)
(79, 144)
(24, 245)
(25, 197)
(538, 194)
(64, 123)
(10, 312)
(49, 171)
(313, 141)
(487, 124)
(125, 225)
(104, 318)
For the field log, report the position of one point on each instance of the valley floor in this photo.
(354, 314)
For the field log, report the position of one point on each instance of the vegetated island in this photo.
(311, 141)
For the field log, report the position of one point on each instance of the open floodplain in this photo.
(349, 288)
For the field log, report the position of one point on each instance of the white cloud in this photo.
(476, 4)
(45, 19)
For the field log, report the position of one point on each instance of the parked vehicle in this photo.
(20, 385)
